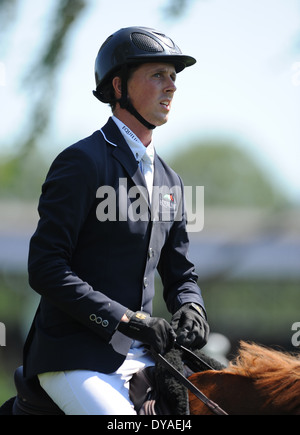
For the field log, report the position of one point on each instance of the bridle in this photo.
(214, 407)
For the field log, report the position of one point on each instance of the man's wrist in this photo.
(199, 309)
(124, 318)
(127, 316)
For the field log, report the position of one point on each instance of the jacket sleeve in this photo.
(177, 272)
(67, 196)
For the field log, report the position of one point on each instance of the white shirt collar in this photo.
(137, 147)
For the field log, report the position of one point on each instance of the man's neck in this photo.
(135, 126)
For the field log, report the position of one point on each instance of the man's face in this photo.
(151, 89)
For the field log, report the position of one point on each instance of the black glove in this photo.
(154, 331)
(191, 327)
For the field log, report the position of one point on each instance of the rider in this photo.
(93, 266)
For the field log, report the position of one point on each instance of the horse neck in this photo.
(236, 394)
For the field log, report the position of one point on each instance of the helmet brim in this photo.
(180, 62)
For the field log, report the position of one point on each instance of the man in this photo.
(93, 257)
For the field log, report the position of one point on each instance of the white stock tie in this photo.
(147, 170)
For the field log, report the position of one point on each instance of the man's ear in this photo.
(117, 85)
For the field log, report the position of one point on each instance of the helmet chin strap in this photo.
(130, 108)
(126, 104)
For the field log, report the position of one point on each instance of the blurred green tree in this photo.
(20, 174)
(40, 83)
(231, 177)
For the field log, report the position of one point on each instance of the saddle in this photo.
(31, 398)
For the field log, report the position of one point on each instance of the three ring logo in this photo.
(296, 336)
(99, 320)
(2, 334)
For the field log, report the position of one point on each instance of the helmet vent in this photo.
(168, 41)
(146, 43)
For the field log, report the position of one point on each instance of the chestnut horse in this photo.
(260, 381)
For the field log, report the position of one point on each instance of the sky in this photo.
(245, 86)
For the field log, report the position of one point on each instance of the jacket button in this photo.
(150, 253)
(145, 282)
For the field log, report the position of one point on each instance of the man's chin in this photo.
(161, 121)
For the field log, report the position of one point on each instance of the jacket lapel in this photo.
(123, 154)
(159, 172)
(160, 209)
(159, 185)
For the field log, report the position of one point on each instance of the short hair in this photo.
(107, 89)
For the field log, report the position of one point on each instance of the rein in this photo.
(188, 384)
(193, 355)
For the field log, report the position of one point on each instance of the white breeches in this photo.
(84, 392)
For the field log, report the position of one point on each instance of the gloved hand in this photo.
(190, 326)
(154, 331)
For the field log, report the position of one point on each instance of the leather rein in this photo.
(214, 407)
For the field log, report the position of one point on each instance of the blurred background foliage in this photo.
(231, 177)
(253, 306)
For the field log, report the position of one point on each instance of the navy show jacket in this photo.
(89, 272)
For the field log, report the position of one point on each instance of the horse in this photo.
(259, 381)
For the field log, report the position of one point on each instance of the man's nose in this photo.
(171, 87)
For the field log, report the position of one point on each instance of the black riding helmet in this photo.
(132, 46)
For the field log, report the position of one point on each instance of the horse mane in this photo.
(276, 374)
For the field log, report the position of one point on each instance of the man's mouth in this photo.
(166, 104)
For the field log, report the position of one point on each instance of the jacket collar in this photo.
(124, 155)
